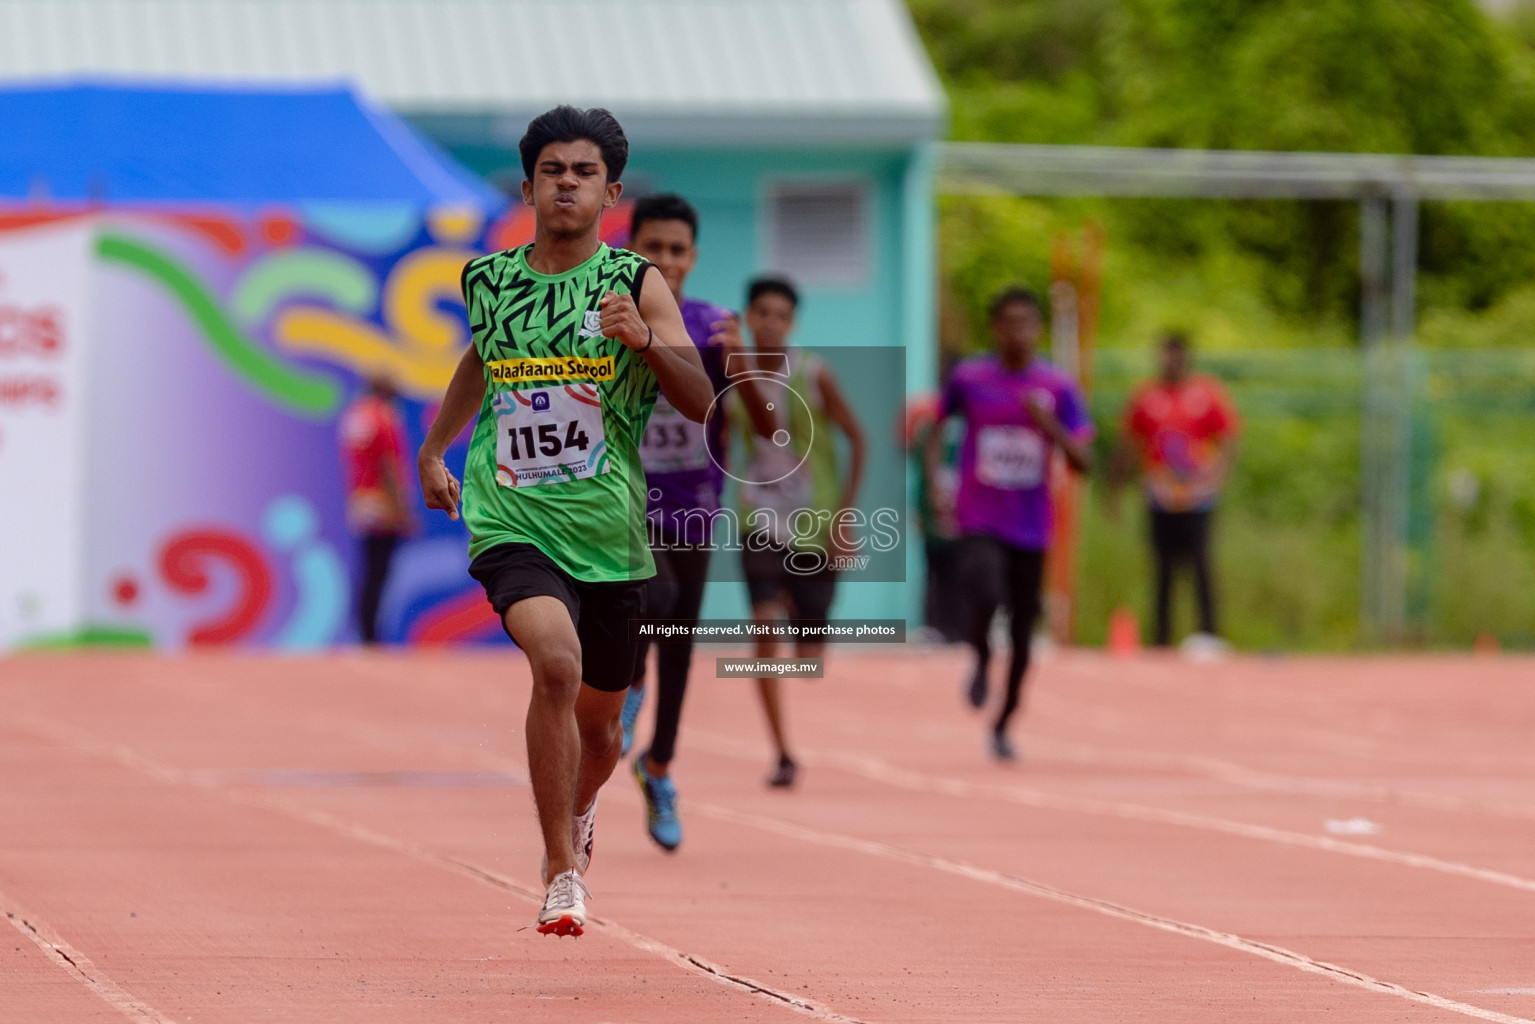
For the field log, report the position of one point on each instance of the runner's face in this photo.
(1016, 328)
(770, 318)
(669, 245)
(570, 188)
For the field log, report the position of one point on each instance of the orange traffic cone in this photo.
(1486, 643)
(1124, 633)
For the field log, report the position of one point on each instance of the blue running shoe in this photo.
(630, 714)
(660, 807)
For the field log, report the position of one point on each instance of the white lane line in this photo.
(686, 961)
(877, 770)
(1277, 954)
(79, 966)
(1252, 778)
(1249, 698)
(130, 758)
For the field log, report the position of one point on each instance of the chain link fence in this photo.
(1377, 499)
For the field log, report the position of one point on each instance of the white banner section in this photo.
(45, 296)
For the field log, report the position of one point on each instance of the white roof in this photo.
(852, 70)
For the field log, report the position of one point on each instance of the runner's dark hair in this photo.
(663, 206)
(772, 285)
(572, 124)
(1011, 294)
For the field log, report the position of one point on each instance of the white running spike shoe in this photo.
(582, 829)
(564, 910)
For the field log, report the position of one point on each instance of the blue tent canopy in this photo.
(123, 143)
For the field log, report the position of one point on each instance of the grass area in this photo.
(1279, 586)
(1287, 531)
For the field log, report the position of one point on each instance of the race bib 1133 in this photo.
(672, 442)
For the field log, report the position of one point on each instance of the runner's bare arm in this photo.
(1227, 458)
(394, 485)
(1125, 461)
(1123, 465)
(1079, 454)
(841, 414)
(726, 333)
(932, 447)
(466, 391)
(654, 328)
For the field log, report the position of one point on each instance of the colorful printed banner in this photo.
(183, 486)
(44, 310)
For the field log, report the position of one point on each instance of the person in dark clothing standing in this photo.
(373, 449)
(1179, 431)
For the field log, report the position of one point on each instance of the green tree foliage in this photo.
(1269, 290)
(1397, 76)
(1020, 72)
(1387, 76)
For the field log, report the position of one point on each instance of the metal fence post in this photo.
(1374, 275)
(1398, 479)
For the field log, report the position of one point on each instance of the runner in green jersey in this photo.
(572, 343)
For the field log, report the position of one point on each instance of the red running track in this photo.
(222, 838)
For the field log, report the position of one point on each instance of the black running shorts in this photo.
(601, 611)
(769, 576)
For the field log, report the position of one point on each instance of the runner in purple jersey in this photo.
(684, 482)
(1017, 408)
(683, 479)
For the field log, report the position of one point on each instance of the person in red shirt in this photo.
(373, 450)
(1180, 431)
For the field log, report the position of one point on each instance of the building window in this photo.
(818, 232)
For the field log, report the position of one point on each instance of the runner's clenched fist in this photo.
(621, 321)
(726, 333)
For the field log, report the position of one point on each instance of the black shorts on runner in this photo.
(768, 577)
(601, 611)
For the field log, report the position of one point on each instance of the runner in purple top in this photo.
(1017, 408)
(684, 483)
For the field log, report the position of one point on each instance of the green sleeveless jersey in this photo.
(554, 460)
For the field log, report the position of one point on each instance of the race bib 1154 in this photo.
(549, 435)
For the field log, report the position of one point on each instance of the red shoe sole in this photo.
(566, 925)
